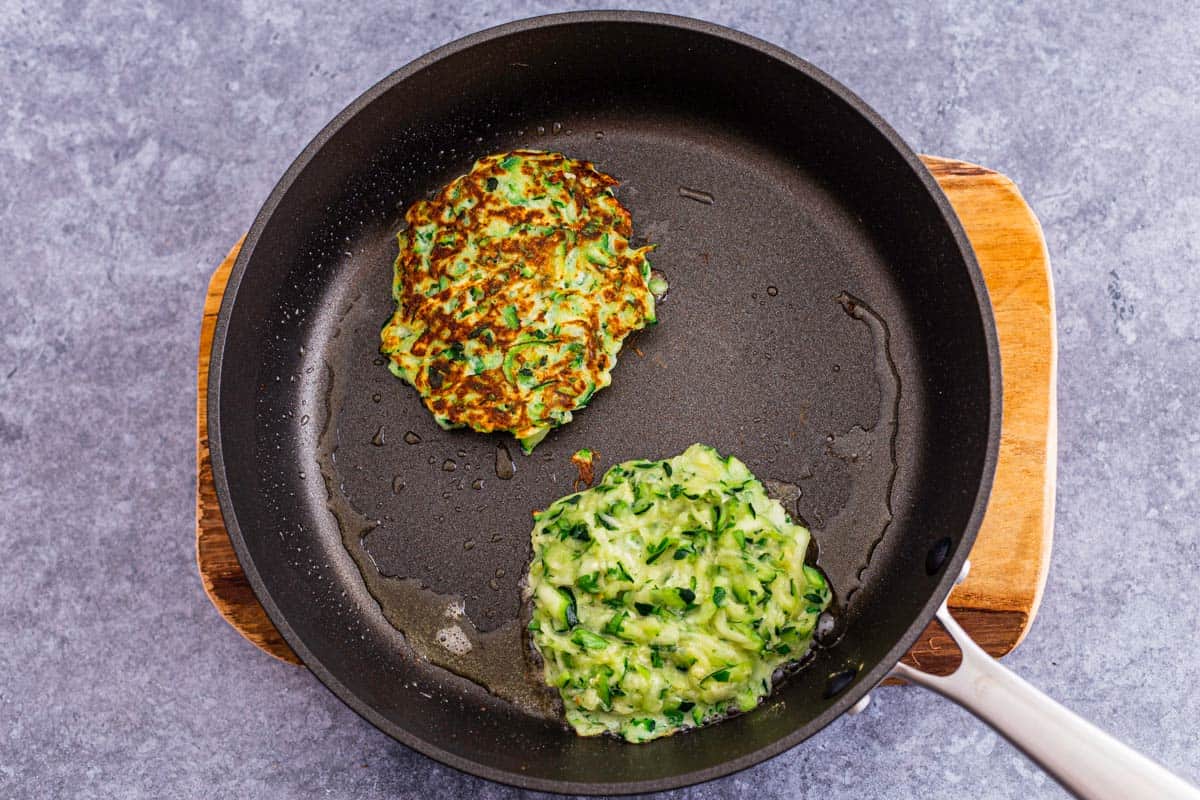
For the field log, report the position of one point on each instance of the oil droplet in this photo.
(376, 397)
(772, 291)
(837, 367)
(378, 439)
(397, 485)
(505, 468)
(379, 362)
(304, 420)
(462, 453)
(469, 544)
(302, 475)
(445, 495)
(500, 573)
(697, 195)
(412, 438)
(599, 134)
(477, 484)
(494, 585)
(826, 625)
(449, 465)
(541, 130)
(556, 127)
(454, 640)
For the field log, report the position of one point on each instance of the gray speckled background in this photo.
(137, 141)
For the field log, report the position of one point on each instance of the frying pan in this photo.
(826, 323)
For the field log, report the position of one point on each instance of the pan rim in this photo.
(868, 680)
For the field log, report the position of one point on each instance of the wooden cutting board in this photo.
(997, 602)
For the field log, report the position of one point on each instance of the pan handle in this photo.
(1084, 759)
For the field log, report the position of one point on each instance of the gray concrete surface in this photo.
(137, 140)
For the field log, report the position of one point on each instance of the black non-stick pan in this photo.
(826, 323)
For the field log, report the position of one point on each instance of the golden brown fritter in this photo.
(515, 287)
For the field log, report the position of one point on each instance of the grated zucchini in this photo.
(667, 595)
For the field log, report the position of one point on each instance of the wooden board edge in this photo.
(220, 573)
(954, 175)
(1050, 484)
(997, 632)
(942, 167)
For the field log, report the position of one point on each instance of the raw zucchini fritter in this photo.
(667, 595)
(515, 287)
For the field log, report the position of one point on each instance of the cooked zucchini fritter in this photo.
(515, 287)
(667, 595)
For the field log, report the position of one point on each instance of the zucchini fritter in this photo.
(515, 287)
(667, 596)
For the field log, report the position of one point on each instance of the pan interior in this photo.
(822, 324)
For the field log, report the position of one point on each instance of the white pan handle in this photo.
(1084, 759)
